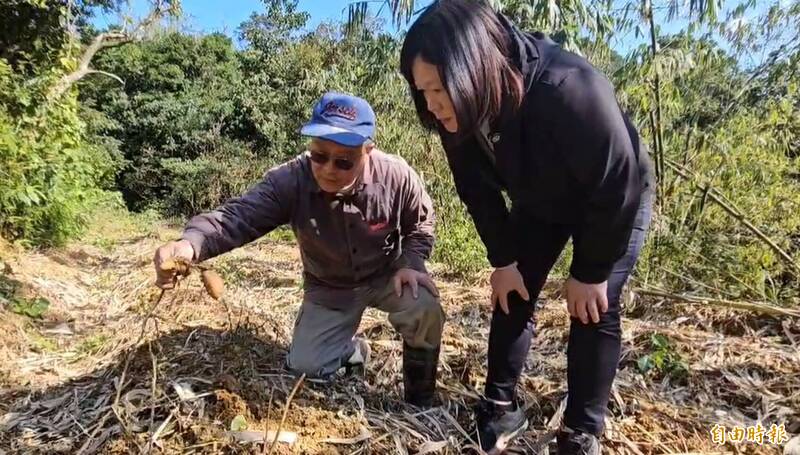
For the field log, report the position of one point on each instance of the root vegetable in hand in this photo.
(171, 261)
(174, 260)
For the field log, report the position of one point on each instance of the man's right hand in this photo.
(504, 280)
(165, 279)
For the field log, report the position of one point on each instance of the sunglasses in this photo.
(340, 163)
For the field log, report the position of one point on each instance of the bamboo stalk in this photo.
(658, 121)
(733, 211)
(756, 307)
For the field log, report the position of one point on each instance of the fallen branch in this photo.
(757, 307)
(266, 424)
(244, 437)
(362, 436)
(97, 428)
(159, 430)
(131, 353)
(286, 411)
(154, 384)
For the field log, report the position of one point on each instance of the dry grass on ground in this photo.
(192, 374)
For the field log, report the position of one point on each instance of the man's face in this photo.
(335, 166)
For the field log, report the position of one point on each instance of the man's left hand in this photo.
(413, 279)
(586, 301)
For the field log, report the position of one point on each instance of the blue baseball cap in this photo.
(345, 119)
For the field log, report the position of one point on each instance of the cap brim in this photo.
(333, 133)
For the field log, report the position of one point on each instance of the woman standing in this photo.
(517, 113)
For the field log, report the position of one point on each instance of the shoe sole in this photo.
(503, 441)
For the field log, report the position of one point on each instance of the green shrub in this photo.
(49, 174)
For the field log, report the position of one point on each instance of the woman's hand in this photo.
(586, 301)
(504, 280)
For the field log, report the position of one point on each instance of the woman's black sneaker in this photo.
(499, 424)
(571, 442)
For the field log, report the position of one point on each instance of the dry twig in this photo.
(286, 411)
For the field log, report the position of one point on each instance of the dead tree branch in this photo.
(160, 9)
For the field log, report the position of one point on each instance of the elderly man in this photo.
(364, 225)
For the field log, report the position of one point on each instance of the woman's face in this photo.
(427, 81)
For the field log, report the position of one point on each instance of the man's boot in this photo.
(419, 375)
(357, 363)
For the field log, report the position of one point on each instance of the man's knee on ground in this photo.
(305, 364)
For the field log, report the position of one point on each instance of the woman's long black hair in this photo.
(469, 45)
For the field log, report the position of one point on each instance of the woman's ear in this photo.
(368, 147)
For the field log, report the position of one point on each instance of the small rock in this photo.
(184, 391)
